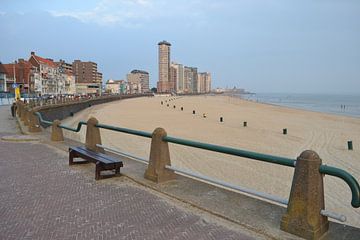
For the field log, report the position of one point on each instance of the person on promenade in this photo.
(13, 109)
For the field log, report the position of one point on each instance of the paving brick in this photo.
(43, 198)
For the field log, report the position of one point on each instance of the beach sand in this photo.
(324, 133)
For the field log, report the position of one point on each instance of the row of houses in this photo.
(137, 82)
(44, 76)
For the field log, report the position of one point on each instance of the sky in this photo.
(279, 46)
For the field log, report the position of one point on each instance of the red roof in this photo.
(44, 61)
(22, 70)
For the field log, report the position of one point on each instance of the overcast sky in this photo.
(260, 45)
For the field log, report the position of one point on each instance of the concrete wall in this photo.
(64, 110)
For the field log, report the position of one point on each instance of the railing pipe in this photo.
(233, 151)
(125, 130)
(41, 119)
(228, 185)
(348, 178)
(74, 129)
(333, 215)
(118, 152)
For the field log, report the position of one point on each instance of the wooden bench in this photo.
(102, 161)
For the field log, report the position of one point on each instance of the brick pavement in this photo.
(43, 198)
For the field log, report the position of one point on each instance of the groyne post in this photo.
(159, 158)
(56, 132)
(93, 136)
(306, 200)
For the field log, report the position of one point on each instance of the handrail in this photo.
(324, 169)
(74, 129)
(125, 130)
(348, 178)
(41, 119)
(233, 151)
(330, 214)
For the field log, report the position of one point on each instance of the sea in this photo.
(339, 104)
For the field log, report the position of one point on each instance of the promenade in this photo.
(43, 198)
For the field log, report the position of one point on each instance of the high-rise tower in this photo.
(164, 85)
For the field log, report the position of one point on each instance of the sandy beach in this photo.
(324, 133)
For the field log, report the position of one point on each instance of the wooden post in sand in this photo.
(159, 158)
(306, 200)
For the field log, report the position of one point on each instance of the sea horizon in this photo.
(338, 104)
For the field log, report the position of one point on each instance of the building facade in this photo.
(20, 72)
(87, 78)
(3, 82)
(163, 85)
(48, 78)
(177, 76)
(190, 80)
(204, 80)
(139, 77)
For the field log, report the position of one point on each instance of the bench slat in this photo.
(102, 161)
(102, 157)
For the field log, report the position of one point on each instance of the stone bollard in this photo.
(34, 125)
(23, 112)
(159, 158)
(26, 113)
(93, 136)
(306, 200)
(18, 109)
(56, 132)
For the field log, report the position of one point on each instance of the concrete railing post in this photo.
(93, 136)
(18, 109)
(26, 113)
(23, 112)
(306, 200)
(56, 132)
(159, 158)
(33, 122)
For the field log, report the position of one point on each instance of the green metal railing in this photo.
(324, 169)
(125, 130)
(41, 119)
(74, 129)
(232, 151)
(348, 178)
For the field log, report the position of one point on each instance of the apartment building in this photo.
(48, 78)
(138, 77)
(3, 82)
(177, 76)
(164, 85)
(190, 80)
(204, 82)
(87, 79)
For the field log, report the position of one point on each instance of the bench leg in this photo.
(98, 171)
(71, 157)
(117, 170)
